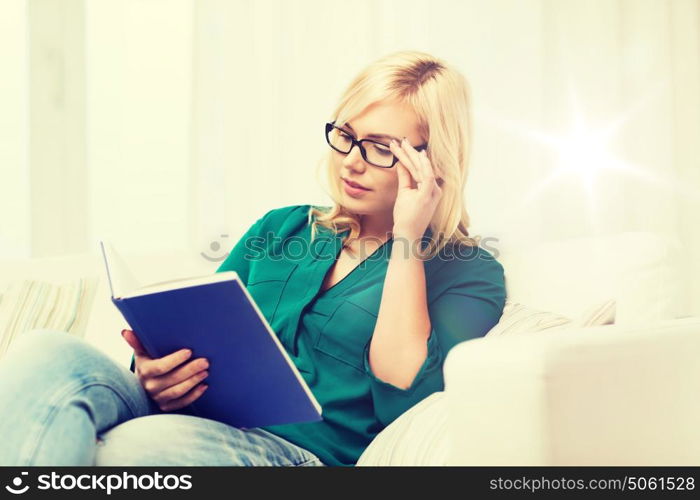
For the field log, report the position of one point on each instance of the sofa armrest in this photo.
(608, 395)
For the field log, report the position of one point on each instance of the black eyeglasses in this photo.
(376, 153)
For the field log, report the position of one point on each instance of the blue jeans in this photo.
(65, 402)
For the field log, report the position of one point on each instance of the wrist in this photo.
(407, 234)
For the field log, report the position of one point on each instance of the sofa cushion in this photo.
(417, 437)
(35, 304)
(569, 276)
(420, 435)
(518, 318)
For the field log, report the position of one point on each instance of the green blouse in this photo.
(327, 333)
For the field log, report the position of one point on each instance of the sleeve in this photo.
(467, 309)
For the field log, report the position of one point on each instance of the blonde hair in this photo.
(439, 96)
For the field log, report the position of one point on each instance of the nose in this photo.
(353, 160)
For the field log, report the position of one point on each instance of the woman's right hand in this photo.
(169, 381)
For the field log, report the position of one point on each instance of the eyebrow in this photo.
(379, 136)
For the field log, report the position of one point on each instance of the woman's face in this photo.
(382, 118)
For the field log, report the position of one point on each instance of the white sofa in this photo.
(606, 395)
(622, 394)
(619, 394)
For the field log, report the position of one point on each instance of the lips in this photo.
(355, 184)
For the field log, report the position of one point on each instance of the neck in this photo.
(376, 225)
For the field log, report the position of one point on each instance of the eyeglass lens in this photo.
(377, 154)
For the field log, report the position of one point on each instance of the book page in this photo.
(165, 286)
(121, 279)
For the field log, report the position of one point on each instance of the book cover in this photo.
(252, 381)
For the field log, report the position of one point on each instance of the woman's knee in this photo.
(42, 341)
(152, 440)
(169, 439)
(56, 353)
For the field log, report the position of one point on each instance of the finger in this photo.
(134, 342)
(161, 366)
(404, 176)
(426, 184)
(428, 179)
(177, 375)
(428, 174)
(187, 399)
(178, 390)
(437, 171)
(405, 160)
(415, 158)
(437, 190)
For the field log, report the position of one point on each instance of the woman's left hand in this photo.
(418, 192)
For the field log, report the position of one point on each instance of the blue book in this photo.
(252, 381)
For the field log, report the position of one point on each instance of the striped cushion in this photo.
(32, 304)
(519, 318)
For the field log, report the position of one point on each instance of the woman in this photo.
(367, 296)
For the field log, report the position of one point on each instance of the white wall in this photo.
(199, 116)
(685, 36)
(538, 70)
(260, 101)
(58, 172)
(105, 151)
(15, 229)
(139, 93)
